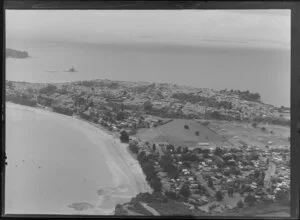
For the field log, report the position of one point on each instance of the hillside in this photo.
(175, 133)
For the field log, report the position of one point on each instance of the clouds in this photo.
(254, 28)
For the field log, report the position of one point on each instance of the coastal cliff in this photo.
(10, 53)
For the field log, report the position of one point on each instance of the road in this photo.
(203, 182)
(269, 173)
(150, 209)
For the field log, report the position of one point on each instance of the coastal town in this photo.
(193, 164)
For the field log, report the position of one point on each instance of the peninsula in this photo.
(203, 151)
(10, 53)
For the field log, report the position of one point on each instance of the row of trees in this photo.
(147, 164)
(62, 110)
(22, 99)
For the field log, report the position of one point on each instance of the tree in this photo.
(154, 147)
(281, 195)
(218, 151)
(147, 106)
(185, 190)
(263, 129)
(216, 115)
(219, 196)
(155, 184)
(240, 204)
(48, 89)
(254, 124)
(250, 200)
(170, 147)
(141, 157)
(186, 127)
(133, 146)
(171, 194)
(205, 123)
(120, 116)
(167, 165)
(210, 183)
(197, 133)
(124, 137)
(149, 170)
(187, 164)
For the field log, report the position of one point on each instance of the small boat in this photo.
(72, 70)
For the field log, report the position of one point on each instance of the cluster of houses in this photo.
(249, 178)
(125, 94)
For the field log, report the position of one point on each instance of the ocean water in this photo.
(266, 71)
(51, 165)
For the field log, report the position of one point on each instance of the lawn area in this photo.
(262, 209)
(238, 132)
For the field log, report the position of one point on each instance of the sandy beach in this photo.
(127, 176)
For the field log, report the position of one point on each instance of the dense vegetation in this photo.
(22, 99)
(62, 110)
(211, 102)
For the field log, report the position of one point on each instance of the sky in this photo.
(233, 28)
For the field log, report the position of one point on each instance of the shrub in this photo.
(219, 196)
(263, 129)
(197, 133)
(186, 127)
(133, 146)
(155, 184)
(240, 204)
(62, 110)
(250, 200)
(210, 183)
(189, 157)
(171, 195)
(147, 106)
(185, 190)
(205, 123)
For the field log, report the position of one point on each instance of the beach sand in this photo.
(128, 177)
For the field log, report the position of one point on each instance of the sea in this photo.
(262, 70)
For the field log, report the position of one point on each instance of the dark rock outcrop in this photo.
(10, 53)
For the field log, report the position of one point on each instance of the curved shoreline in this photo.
(128, 177)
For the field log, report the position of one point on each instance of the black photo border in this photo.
(294, 6)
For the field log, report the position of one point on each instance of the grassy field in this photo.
(270, 210)
(245, 133)
(175, 133)
(217, 133)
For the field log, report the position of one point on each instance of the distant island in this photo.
(10, 53)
